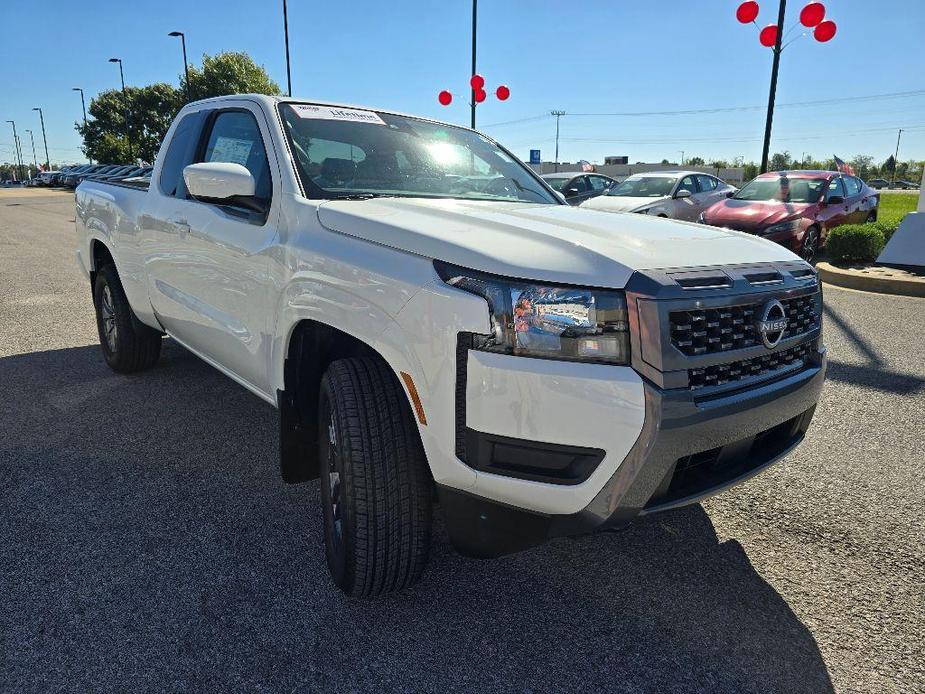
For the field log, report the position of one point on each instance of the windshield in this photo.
(783, 189)
(350, 153)
(644, 187)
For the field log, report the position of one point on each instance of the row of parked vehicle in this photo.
(71, 176)
(794, 208)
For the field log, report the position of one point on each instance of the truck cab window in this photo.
(179, 154)
(235, 138)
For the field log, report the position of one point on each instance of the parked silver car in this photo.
(673, 194)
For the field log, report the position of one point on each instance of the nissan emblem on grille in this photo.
(772, 324)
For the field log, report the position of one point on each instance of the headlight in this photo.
(792, 225)
(539, 320)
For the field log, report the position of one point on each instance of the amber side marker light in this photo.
(415, 398)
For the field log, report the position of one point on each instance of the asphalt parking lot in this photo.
(147, 542)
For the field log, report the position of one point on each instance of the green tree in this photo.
(149, 110)
(228, 73)
(719, 164)
(780, 161)
(862, 165)
(694, 161)
(888, 165)
(749, 171)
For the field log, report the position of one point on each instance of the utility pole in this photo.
(475, 14)
(558, 115)
(286, 32)
(34, 160)
(44, 139)
(84, 106)
(17, 153)
(895, 158)
(775, 66)
(682, 156)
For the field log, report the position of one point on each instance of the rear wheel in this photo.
(375, 487)
(810, 246)
(871, 217)
(127, 345)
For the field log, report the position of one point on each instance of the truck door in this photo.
(211, 288)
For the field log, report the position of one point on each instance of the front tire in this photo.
(375, 487)
(127, 346)
(810, 247)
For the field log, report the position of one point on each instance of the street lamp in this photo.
(84, 106)
(286, 32)
(895, 158)
(16, 149)
(44, 139)
(185, 64)
(128, 134)
(34, 160)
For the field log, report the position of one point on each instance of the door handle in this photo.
(182, 226)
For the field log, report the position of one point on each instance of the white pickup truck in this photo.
(439, 329)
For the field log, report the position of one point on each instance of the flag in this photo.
(586, 165)
(843, 167)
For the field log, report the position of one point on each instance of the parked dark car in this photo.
(579, 186)
(905, 185)
(878, 183)
(796, 208)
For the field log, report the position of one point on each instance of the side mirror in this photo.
(559, 195)
(222, 182)
(571, 191)
(730, 193)
(685, 193)
(835, 200)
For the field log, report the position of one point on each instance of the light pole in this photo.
(128, 134)
(83, 105)
(286, 32)
(772, 94)
(16, 149)
(895, 158)
(185, 64)
(34, 160)
(558, 115)
(475, 18)
(682, 156)
(44, 139)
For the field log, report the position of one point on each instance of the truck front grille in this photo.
(747, 368)
(708, 331)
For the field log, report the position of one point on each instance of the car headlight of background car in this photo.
(546, 320)
(792, 225)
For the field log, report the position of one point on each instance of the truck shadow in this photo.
(146, 537)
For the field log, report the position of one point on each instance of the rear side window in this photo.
(180, 152)
(707, 183)
(852, 185)
(235, 138)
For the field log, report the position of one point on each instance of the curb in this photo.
(881, 285)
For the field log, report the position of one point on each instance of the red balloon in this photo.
(445, 98)
(825, 31)
(768, 36)
(747, 11)
(477, 82)
(480, 96)
(503, 92)
(812, 14)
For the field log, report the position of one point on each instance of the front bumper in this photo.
(688, 450)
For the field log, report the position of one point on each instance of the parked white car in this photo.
(673, 194)
(433, 322)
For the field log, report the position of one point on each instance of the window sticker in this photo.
(231, 150)
(332, 113)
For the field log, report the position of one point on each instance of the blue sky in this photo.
(621, 56)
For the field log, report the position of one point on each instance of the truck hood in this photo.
(748, 215)
(620, 203)
(542, 242)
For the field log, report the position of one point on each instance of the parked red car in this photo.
(796, 208)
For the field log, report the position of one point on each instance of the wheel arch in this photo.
(311, 347)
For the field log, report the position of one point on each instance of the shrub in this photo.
(855, 243)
